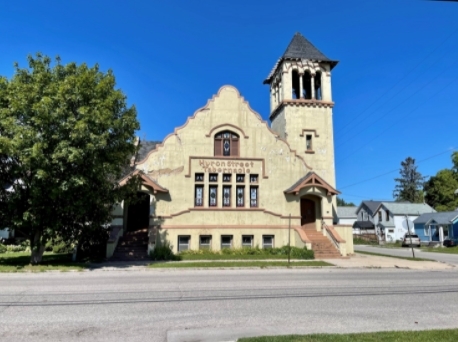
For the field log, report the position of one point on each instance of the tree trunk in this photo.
(37, 248)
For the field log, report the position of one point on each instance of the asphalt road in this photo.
(221, 305)
(451, 259)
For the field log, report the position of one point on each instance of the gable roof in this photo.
(311, 179)
(346, 212)
(404, 208)
(301, 48)
(145, 180)
(371, 205)
(444, 217)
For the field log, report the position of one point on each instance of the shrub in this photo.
(163, 253)
(2, 248)
(62, 248)
(15, 248)
(296, 252)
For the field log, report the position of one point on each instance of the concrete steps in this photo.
(132, 246)
(321, 246)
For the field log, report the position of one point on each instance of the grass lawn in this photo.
(20, 262)
(357, 241)
(390, 336)
(450, 250)
(213, 264)
(234, 257)
(393, 256)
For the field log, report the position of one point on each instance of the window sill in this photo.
(310, 152)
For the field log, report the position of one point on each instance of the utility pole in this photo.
(289, 240)
(410, 235)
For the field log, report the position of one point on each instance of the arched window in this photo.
(295, 85)
(307, 86)
(226, 144)
(318, 91)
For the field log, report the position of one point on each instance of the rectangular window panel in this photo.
(199, 196)
(199, 177)
(183, 243)
(308, 142)
(387, 215)
(253, 196)
(205, 242)
(226, 241)
(240, 178)
(213, 193)
(267, 241)
(253, 178)
(240, 196)
(227, 177)
(213, 177)
(226, 147)
(247, 240)
(226, 196)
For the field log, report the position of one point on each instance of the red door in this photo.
(308, 216)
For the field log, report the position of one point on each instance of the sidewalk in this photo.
(375, 261)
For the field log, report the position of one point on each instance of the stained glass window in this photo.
(226, 144)
(226, 196)
(199, 177)
(253, 196)
(240, 196)
(253, 178)
(199, 195)
(227, 177)
(212, 197)
(213, 177)
(240, 178)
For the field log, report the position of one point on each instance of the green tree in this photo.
(440, 189)
(342, 203)
(409, 186)
(65, 135)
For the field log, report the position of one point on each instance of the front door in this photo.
(138, 213)
(308, 213)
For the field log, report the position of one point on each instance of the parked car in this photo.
(450, 242)
(411, 240)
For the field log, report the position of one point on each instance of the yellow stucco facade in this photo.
(255, 188)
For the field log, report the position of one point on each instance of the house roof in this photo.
(404, 208)
(363, 224)
(311, 179)
(440, 218)
(145, 147)
(346, 212)
(371, 205)
(301, 48)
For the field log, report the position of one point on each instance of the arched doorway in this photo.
(308, 213)
(138, 213)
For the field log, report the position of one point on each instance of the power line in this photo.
(396, 170)
(399, 81)
(402, 118)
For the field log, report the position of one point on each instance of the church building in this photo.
(228, 179)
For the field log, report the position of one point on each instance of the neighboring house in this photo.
(364, 223)
(436, 227)
(394, 219)
(346, 216)
(6, 233)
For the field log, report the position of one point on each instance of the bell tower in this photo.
(301, 104)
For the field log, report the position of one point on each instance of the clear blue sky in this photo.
(395, 87)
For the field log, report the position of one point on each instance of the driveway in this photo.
(451, 259)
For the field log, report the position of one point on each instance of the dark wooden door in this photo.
(308, 216)
(138, 213)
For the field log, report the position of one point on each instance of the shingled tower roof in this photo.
(301, 48)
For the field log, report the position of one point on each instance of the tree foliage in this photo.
(440, 189)
(342, 203)
(65, 135)
(409, 186)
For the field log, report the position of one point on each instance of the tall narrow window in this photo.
(387, 217)
(240, 196)
(318, 91)
(212, 198)
(380, 216)
(253, 196)
(308, 142)
(226, 144)
(198, 196)
(226, 196)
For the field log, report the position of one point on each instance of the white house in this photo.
(346, 215)
(394, 219)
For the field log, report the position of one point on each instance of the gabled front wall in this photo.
(190, 150)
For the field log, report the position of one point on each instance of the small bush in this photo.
(296, 252)
(62, 248)
(164, 253)
(16, 248)
(2, 248)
